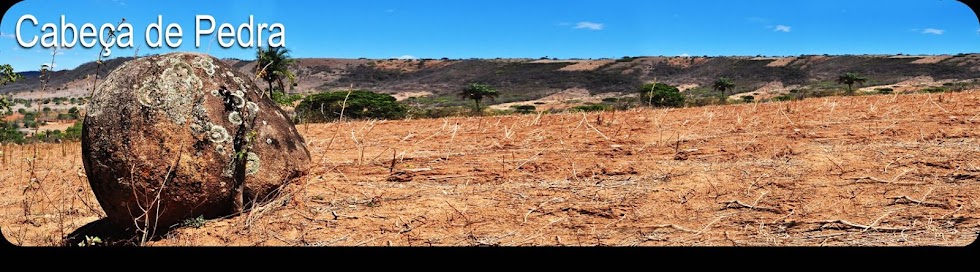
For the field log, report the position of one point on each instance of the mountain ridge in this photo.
(527, 79)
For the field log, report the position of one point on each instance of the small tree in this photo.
(850, 79)
(7, 75)
(73, 113)
(272, 65)
(661, 95)
(477, 92)
(723, 85)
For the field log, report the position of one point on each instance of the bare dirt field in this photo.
(882, 170)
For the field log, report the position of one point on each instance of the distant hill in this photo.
(519, 79)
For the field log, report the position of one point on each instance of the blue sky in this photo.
(524, 28)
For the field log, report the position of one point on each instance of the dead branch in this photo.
(527, 161)
(906, 200)
(672, 226)
(558, 199)
(338, 216)
(735, 204)
(894, 181)
(844, 224)
(459, 212)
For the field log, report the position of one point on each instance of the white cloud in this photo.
(783, 28)
(407, 57)
(589, 26)
(685, 55)
(6, 35)
(933, 31)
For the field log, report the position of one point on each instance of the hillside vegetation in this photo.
(529, 79)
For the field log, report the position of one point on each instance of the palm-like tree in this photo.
(723, 85)
(850, 79)
(477, 92)
(272, 65)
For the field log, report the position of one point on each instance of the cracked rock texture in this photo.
(163, 128)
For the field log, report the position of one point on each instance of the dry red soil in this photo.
(882, 170)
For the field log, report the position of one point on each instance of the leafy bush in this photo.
(286, 100)
(74, 113)
(661, 95)
(594, 107)
(324, 107)
(74, 133)
(885, 90)
(9, 133)
(748, 99)
(934, 90)
(439, 112)
(524, 109)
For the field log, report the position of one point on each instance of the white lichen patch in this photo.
(252, 108)
(218, 134)
(238, 99)
(252, 164)
(235, 118)
(172, 92)
(220, 149)
(197, 129)
(205, 64)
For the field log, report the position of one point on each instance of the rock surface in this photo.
(163, 129)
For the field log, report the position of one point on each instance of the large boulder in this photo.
(167, 130)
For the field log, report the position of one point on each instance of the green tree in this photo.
(723, 85)
(73, 113)
(272, 65)
(661, 95)
(850, 79)
(477, 92)
(4, 103)
(9, 133)
(74, 133)
(7, 75)
(359, 104)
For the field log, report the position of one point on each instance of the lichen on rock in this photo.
(167, 114)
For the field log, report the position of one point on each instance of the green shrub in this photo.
(9, 133)
(74, 133)
(286, 100)
(748, 99)
(593, 107)
(661, 95)
(74, 113)
(934, 90)
(522, 109)
(324, 107)
(885, 90)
